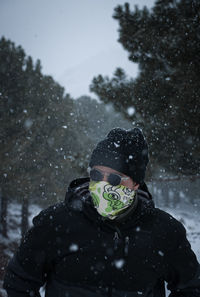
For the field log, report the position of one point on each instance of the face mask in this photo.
(110, 201)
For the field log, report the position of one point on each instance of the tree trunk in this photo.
(165, 194)
(24, 216)
(3, 214)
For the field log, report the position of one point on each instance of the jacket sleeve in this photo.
(27, 270)
(182, 268)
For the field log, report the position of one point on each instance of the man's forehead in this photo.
(108, 169)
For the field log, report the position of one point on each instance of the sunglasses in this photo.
(113, 178)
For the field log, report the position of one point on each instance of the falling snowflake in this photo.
(119, 263)
(116, 144)
(73, 247)
(161, 253)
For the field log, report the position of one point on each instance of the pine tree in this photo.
(165, 42)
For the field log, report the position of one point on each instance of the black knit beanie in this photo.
(123, 150)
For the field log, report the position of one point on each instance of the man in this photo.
(108, 241)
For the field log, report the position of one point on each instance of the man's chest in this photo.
(107, 258)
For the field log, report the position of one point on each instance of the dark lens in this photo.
(96, 175)
(114, 179)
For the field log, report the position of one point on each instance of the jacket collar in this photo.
(78, 199)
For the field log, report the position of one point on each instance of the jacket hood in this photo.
(78, 199)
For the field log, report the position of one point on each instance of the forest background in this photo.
(46, 137)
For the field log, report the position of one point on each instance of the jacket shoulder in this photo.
(168, 221)
(52, 215)
(168, 227)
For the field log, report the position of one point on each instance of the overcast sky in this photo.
(74, 39)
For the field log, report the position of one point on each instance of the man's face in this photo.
(125, 180)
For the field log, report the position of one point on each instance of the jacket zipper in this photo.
(109, 291)
(126, 246)
(117, 237)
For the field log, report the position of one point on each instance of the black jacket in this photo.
(76, 252)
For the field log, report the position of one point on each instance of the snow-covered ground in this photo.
(190, 218)
(14, 233)
(187, 215)
(14, 221)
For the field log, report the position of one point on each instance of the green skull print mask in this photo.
(110, 201)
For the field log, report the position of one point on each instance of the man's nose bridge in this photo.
(105, 177)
